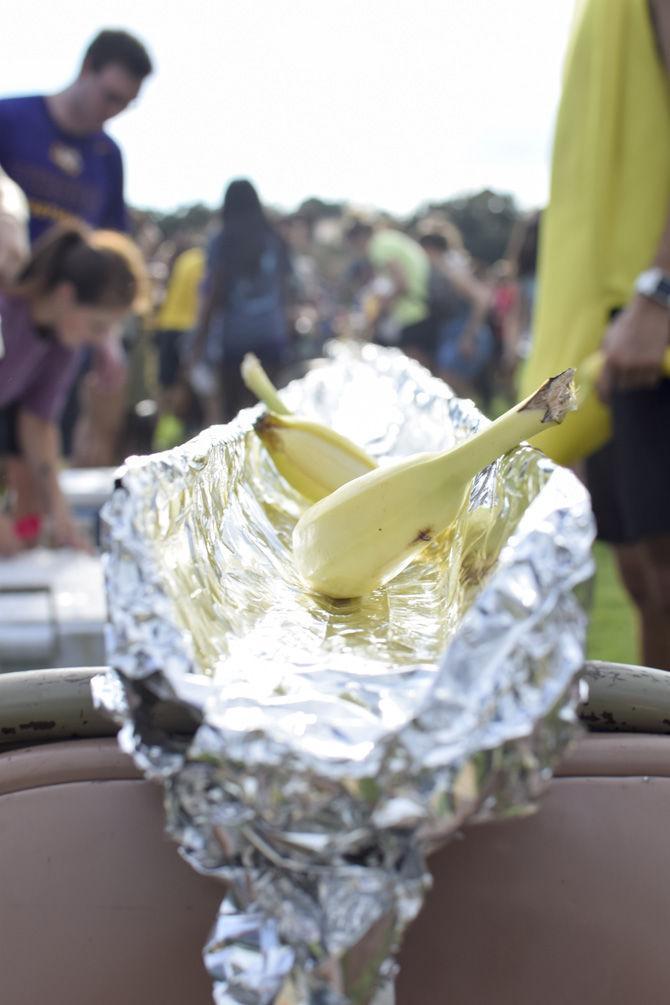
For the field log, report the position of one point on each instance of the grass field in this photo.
(612, 632)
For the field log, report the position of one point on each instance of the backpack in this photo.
(254, 316)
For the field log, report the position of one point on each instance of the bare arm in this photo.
(469, 287)
(636, 340)
(660, 17)
(205, 314)
(39, 440)
(10, 544)
(478, 295)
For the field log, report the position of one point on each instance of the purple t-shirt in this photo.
(62, 175)
(36, 371)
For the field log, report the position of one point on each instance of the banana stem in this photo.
(546, 407)
(258, 382)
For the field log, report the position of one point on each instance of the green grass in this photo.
(613, 628)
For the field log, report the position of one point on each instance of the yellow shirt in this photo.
(179, 310)
(610, 195)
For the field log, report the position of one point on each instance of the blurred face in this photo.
(78, 325)
(102, 94)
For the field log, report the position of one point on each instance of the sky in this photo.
(380, 103)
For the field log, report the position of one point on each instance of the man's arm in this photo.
(636, 340)
(638, 337)
(660, 18)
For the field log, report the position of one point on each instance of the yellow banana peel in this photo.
(367, 531)
(314, 459)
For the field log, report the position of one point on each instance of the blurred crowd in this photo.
(119, 338)
(120, 334)
(281, 286)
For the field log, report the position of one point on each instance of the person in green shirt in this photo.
(400, 287)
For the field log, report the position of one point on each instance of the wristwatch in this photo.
(654, 284)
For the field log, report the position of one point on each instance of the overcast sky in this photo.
(386, 103)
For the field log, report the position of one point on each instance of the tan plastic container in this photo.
(567, 906)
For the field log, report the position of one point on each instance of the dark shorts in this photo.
(169, 343)
(9, 446)
(629, 478)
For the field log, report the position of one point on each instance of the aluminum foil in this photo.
(332, 746)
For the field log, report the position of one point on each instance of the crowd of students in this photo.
(88, 360)
(281, 286)
(86, 373)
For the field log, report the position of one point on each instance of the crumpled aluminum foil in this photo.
(329, 747)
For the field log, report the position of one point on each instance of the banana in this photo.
(314, 459)
(258, 382)
(370, 529)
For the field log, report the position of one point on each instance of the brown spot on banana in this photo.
(266, 429)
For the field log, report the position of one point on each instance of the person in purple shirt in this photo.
(55, 149)
(77, 287)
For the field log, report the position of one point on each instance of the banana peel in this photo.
(314, 459)
(369, 529)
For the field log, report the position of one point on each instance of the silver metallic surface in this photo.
(336, 744)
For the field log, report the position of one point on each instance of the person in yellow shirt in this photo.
(604, 281)
(176, 319)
